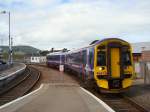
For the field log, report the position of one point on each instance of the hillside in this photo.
(22, 49)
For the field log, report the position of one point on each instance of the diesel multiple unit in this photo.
(107, 63)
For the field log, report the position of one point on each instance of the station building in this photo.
(141, 57)
(137, 57)
(146, 56)
(141, 51)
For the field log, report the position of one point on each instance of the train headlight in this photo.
(100, 68)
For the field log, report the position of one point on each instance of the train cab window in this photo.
(126, 58)
(101, 58)
(102, 47)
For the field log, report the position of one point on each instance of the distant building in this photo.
(146, 55)
(141, 51)
(140, 46)
(137, 57)
(37, 59)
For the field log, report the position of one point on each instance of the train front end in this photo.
(113, 69)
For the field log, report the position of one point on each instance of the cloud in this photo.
(75, 23)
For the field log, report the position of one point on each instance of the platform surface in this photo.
(58, 92)
(16, 67)
(57, 98)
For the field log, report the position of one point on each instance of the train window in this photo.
(101, 58)
(126, 58)
(91, 56)
(101, 47)
(84, 57)
(77, 58)
(70, 58)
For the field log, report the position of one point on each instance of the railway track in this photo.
(20, 86)
(119, 102)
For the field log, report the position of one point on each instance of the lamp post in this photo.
(10, 47)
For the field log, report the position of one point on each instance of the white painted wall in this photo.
(38, 59)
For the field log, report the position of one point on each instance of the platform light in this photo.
(10, 46)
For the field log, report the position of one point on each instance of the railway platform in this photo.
(10, 74)
(58, 92)
(57, 97)
(12, 70)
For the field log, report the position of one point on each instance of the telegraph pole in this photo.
(10, 48)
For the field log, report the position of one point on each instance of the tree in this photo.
(44, 53)
(64, 50)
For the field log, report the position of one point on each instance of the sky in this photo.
(74, 23)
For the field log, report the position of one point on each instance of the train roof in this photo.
(97, 42)
(105, 39)
(84, 48)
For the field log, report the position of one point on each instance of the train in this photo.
(106, 63)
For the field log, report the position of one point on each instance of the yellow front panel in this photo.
(128, 70)
(127, 82)
(115, 58)
(102, 83)
(114, 67)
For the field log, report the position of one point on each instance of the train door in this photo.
(115, 62)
